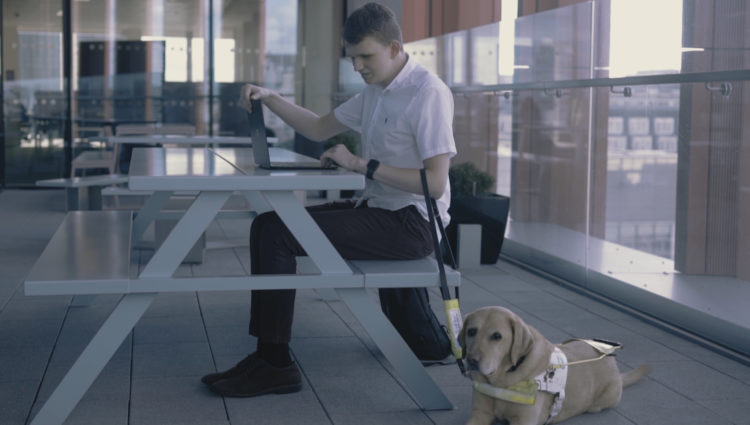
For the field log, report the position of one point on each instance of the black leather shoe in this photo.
(260, 378)
(237, 369)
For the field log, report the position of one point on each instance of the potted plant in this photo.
(472, 203)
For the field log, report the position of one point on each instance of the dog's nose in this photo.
(473, 363)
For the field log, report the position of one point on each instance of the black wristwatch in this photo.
(372, 165)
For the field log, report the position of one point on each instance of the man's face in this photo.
(375, 62)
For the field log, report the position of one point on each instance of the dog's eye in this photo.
(472, 332)
(496, 336)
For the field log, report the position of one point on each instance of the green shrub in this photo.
(466, 179)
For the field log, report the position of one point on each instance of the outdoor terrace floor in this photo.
(154, 378)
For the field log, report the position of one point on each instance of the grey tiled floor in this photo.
(154, 377)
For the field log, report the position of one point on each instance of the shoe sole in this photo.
(284, 389)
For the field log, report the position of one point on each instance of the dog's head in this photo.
(494, 340)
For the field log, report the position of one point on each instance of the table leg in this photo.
(424, 390)
(257, 201)
(93, 359)
(148, 214)
(184, 234)
(307, 233)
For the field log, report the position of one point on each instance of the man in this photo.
(405, 117)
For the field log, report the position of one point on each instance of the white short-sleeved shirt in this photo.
(402, 125)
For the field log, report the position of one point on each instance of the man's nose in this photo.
(357, 63)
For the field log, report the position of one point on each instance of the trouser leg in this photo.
(356, 234)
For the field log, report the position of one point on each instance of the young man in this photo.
(405, 116)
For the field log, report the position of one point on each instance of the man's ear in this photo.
(522, 340)
(395, 47)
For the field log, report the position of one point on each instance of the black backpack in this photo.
(409, 309)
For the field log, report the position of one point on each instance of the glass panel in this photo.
(549, 175)
(641, 161)
(655, 47)
(136, 65)
(641, 179)
(676, 36)
(554, 45)
(33, 91)
(132, 68)
(256, 42)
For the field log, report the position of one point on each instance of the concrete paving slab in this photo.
(175, 400)
(17, 398)
(169, 330)
(171, 360)
(303, 407)
(365, 390)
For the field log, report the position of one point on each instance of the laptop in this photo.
(260, 145)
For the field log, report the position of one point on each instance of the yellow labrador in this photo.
(505, 356)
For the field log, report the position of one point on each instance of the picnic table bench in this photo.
(90, 254)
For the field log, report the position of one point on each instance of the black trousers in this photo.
(360, 233)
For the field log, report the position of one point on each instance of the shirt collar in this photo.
(402, 75)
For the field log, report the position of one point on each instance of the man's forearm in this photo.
(304, 121)
(408, 179)
(301, 119)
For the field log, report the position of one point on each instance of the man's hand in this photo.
(341, 156)
(253, 92)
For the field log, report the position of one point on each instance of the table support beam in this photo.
(307, 232)
(419, 383)
(181, 239)
(148, 213)
(93, 359)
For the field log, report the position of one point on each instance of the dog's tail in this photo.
(632, 376)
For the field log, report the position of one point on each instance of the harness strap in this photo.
(523, 392)
(604, 348)
(552, 381)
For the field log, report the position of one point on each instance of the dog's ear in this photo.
(522, 341)
(462, 334)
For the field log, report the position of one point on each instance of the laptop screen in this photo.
(258, 134)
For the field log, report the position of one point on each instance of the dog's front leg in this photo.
(481, 418)
(482, 410)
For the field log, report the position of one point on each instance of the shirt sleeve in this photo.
(433, 124)
(349, 113)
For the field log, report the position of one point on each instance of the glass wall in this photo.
(176, 65)
(33, 87)
(624, 151)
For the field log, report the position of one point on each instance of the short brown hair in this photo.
(375, 20)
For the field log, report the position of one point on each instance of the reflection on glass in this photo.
(656, 46)
(424, 52)
(554, 45)
(642, 169)
(457, 53)
(484, 54)
(506, 40)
